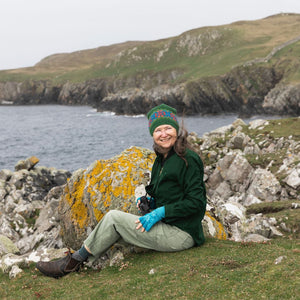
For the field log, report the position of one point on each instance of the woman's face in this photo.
(165, 136)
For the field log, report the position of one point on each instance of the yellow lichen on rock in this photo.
(105, 185)
(74, 198)
(219, 231)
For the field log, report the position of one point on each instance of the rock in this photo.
(7, 229)
(251, 199)
(280, 259)
(23, 197)
(238, 173)
(238, 123)
(105, 185)
(293, 179)
(15, 272)
(264, 185)
(7, 246)
(9, 260)
(212, 227)
(257, 123)
(283, 98)
(117, 258)
(261, 225)
(251, 148)
(223, 191)
(27, 164)
(238, 141)
(256, 238)
(232, 168)
(5, 174)
(231, 212)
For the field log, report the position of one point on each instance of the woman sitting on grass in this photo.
(176, 194)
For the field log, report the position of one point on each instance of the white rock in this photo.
(15, 270)
(257, 123)
(152, 271)
(254, 237)
(279, 259)
(293, 180)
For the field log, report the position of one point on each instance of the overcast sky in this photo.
(33, 29)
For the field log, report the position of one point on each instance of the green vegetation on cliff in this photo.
(202, 52)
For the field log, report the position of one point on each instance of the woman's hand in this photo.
(147, 221)
(139, 225)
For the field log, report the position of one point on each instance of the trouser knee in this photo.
(114, 215)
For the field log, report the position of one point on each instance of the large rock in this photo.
(230, 175)
(105, 185)
(283, 98)
(22, 197)
(293, 179)
(264, 186)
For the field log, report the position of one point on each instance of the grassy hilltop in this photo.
(195, 54)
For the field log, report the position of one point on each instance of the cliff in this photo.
(244, 67)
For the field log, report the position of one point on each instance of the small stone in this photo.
(279, 259)
(152, 271)
(14, 272)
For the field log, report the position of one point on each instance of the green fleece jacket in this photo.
(180, 188)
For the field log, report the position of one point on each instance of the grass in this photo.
(196, 54)
(217, 270)
(277, 128)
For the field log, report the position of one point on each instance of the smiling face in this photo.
(165, 136)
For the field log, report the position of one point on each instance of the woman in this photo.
(177, 193)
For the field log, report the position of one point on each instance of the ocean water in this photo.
(73, 137)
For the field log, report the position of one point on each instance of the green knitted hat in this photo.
(161, 115)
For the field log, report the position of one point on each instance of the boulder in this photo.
(293, 179)
(233, 171)
(264, 185)
(27, 164)
(7, 246)
(105, 185)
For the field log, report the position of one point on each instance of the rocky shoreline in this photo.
(249, 173)
(244, 90)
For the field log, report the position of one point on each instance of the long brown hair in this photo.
(180, 146)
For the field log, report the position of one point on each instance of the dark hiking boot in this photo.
(59, 268)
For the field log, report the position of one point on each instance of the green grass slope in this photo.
(216, 270)
(202, 52)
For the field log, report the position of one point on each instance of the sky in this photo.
(31, 30)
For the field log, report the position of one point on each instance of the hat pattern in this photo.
(161, 115)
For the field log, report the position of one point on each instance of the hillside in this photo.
(256, 55)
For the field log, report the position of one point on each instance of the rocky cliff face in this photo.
(245, 91)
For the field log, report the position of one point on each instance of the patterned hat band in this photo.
(162, 115)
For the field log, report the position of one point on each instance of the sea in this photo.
(73, 137)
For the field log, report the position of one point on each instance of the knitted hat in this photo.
(161, 115)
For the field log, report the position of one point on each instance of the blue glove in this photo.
(152, 218)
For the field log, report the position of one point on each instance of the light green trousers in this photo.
(117, 224)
